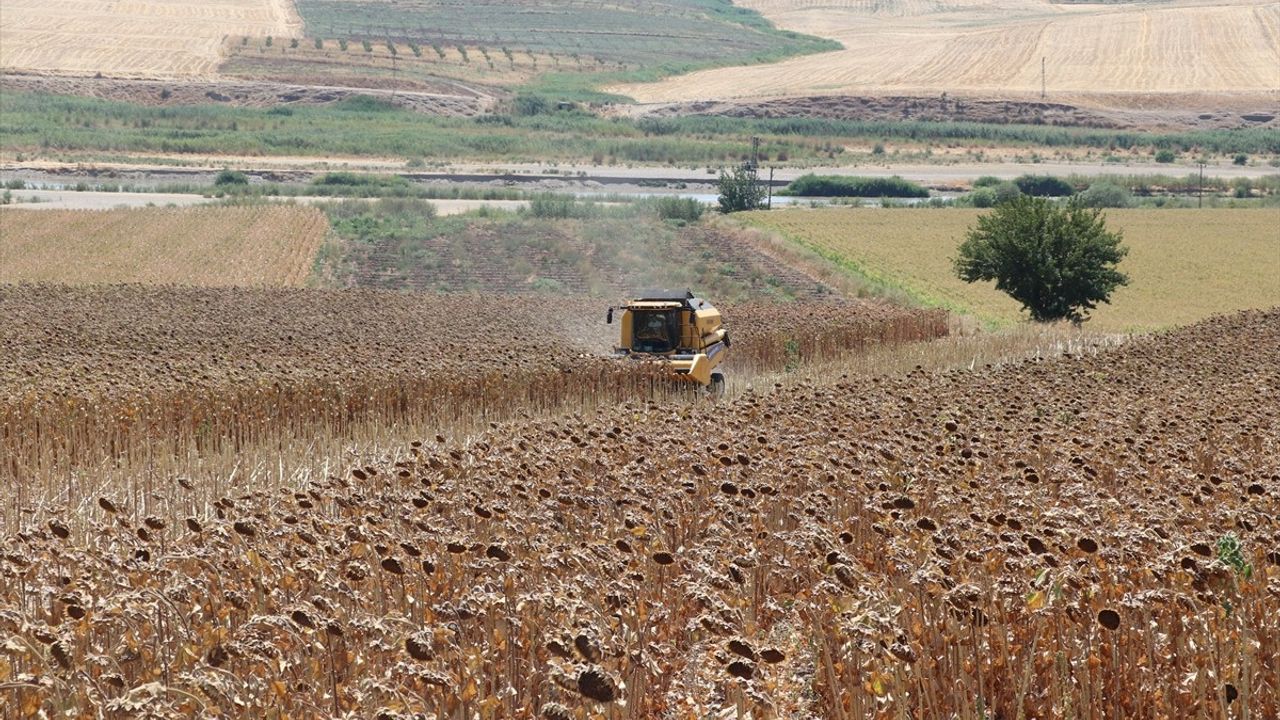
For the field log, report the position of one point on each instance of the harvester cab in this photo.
(674, 327)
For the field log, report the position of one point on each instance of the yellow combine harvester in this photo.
(674, 327)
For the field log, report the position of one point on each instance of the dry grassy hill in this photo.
(148, 38)
(1183, 53)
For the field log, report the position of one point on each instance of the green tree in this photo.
(1044, 186)
(983, 197)
(1105, 194)
(1057, 261)
(739, 190)
(1006, 191)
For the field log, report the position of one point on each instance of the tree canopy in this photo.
(1059, 262)
(739, 190)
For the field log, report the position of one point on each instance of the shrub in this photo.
(844, 186)
(526, 105)
(342, 44)
(230, 177)
(1165, 156)
(1006, 192)
(983, 197)
(1044, 186)
(319, 43)
(987, 181)
(1105, 194)
(678, 208)
(550, 206)
(1240, 159)
(349, 183)
(1058, 262)
(739, 190)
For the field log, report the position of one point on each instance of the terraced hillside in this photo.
(627, 32)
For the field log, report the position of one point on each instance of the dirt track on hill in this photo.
(454, 98)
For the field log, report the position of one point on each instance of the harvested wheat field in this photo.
(1183, 265)
(1093, 536)
(145, 38)
(255, 245)
(1184, 53)
(157, 389)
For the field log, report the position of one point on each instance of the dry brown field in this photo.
(143, 38)
(1091, 536)
(1136, 55)
(1183, 265)
(258, 245)
(147, 387)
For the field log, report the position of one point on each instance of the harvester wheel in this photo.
(716, 388)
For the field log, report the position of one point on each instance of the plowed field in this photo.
(271, 245)
(147, 38)
(1093, 536)
(1126, 54)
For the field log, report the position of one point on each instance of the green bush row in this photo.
(850, 186)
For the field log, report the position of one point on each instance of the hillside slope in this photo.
(1180, 53)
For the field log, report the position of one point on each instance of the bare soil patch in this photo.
(969, 109)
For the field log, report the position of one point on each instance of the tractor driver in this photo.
(653, 330)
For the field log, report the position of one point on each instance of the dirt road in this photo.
(73, 200)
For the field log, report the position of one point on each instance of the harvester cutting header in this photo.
(681, 330)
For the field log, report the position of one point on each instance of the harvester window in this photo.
(656, 332)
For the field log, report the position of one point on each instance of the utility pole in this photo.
(394, 69)
(770, 205)
(1200, 189)
(1042, 77)
(755, 152)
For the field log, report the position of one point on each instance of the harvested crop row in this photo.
(1092, 536)
(262, 245)
(131, 383)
